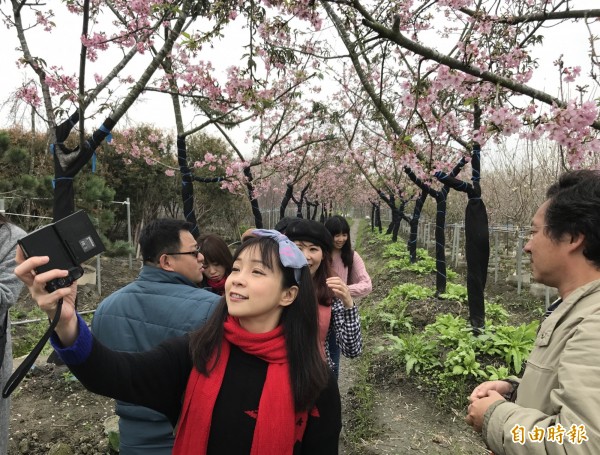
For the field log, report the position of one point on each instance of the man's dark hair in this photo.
(160, 236)
(574, 209)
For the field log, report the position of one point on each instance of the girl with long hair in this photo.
(349, 266)
(250, 381)
(218, 261)
(338, 315)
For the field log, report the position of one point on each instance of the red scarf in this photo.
(218, 286)
(276, 431)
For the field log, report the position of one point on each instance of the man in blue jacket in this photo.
(163, 302)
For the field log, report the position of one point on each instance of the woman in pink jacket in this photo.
(349, 266)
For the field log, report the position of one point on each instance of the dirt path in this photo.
(407, 420)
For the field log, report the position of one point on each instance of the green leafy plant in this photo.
(449, 330)
(68, 376)
(455, 292)
(26, 336)
(425, 263)
(412, 291)
(463, 361)
(496, 313)
(515, 343)
(398, 264)
(415, 351)
(395, 322)
(395, 250)
(495, 373)
(451, 274)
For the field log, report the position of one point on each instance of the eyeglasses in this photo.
(195, 253)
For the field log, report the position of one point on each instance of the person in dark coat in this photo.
(163, 302)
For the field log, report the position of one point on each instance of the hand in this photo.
(340, 290)
(483, 389)
(47, 302)
(477, 409)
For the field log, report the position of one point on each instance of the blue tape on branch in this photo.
(94, 162)
(52, 149)
(60, 178)
(108, 137)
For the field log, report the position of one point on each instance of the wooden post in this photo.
(497, 256)
(519, 262)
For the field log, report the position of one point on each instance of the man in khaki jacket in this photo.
(555, 407)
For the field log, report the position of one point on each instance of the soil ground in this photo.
(53, 414)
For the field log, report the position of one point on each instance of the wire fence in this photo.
(507, 260)
(93, 274)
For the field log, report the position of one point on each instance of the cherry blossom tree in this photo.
(133, 31)
(425, 69)
(283, 138)
(489, 57)
(477, 237)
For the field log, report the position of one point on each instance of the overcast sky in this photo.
(157, 109)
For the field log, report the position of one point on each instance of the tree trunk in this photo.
(187, 186)
(286, 199)
(414, 227)
(258, 222)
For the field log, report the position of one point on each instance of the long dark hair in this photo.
(309, 373)
(322, 291)
(215, 250)
(338, 225)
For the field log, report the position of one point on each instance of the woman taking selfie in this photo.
(250, 381)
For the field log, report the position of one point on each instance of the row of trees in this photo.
(26, 182)
(422, 90)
